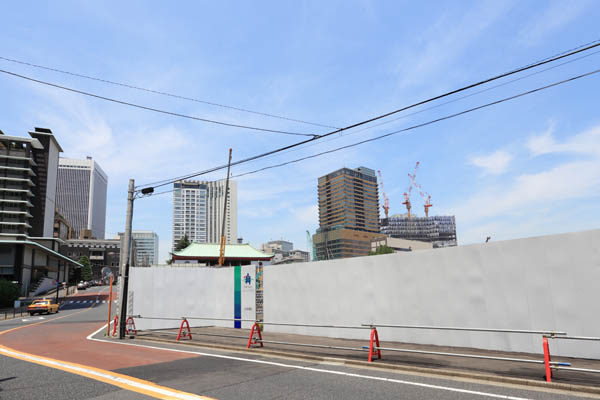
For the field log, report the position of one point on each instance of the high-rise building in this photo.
(81, 195)
(146, 244)
(28, 173)
(348, 213)
(198, 211)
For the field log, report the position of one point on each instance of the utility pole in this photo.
(123, 287)
(222, 248)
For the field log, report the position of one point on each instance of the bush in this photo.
(9, 292)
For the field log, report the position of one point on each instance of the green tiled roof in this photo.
(204, 250)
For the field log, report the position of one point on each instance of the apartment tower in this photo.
(198, 211)
(348, 213)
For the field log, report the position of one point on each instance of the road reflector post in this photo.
(252, 339)
(184, 333)
(374, 344)
(547, 359)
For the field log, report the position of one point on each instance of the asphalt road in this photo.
(214, 374)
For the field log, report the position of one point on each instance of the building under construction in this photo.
(439, 229)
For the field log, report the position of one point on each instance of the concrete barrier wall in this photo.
(549, 282)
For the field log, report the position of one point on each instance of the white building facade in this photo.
(146, 244)
(81, 195)
(198, 211)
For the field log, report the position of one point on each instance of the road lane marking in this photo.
(32, 319)
(123, 381)
(312, 369)
(112, 378)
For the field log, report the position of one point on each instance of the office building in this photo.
(102, 253)
(277, 246)
(283, 252)
(146, 244)
(348, 213)
(198, 211)
(28, 174)
(81, 195)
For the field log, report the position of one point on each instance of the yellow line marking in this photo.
(112, 378)
(123, 381)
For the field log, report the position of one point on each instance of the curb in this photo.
(394, 367)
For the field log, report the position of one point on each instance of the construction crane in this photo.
(407, 193)
(426, 196)
(310, 247)
(222, 248)
(386, 201)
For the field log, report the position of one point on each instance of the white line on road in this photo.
(32, 319)
(320, 370)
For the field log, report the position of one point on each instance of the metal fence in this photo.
(374, 347)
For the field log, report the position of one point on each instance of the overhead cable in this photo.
(176, 96)
(316, 137)
(175, 114)
(413, 127)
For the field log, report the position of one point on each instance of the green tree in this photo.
(9, 292)
(86, 270)
(182, 243)
(381, 250)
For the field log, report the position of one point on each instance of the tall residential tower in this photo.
(81, 195)
(198, 211)
(348, 213)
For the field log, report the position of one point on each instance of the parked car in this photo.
(43, 305)
(82, 285)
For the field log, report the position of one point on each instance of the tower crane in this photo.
(407, 193)
(426, 196)
(386, 202)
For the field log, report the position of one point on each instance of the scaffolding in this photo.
(439, 229)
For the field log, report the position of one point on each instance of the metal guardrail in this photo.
(374, 346)
(454, 328)
(550, 365)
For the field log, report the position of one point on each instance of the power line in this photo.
(154, 109)
(176, 96)
(443, 104)
(316, 137)
(413, 127)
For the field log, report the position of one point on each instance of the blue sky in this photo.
(523, 168)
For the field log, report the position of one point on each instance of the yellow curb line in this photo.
(112, 378)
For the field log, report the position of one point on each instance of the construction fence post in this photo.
(251, 339)
(187, 333)
(374, 344)
(547, 359)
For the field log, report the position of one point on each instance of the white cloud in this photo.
(587, 142)
(494, 164)
(445, 41)
(524, 196)
(553, 18)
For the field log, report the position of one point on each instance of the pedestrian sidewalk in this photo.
(357, 354)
